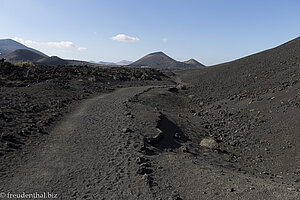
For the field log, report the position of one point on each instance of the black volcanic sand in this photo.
(178, 167)
(33, 99)
(249, 107)
(252, 107)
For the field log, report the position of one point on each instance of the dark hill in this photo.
(160, 60)
(9, 45)
(23, 55)
(53, 60)
(194, 63)
(156, 60)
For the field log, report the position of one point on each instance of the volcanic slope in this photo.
(252, 107)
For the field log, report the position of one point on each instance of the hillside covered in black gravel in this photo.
(251, 106)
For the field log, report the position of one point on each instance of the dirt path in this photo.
(87, 156)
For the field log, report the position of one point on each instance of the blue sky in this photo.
(211, 31)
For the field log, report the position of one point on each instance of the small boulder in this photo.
(209, 143)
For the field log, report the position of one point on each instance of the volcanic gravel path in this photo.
(87, 156)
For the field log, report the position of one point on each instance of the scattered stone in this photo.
(174, 198)
(127, 113)
(196, 114)
(126, 130)
(156, 138)
(130, 116)
(218, 107)
(146, 177)
(184, 149)
(144, 170)
(141, 160)
(173, 89)
(191, 96)
(177, 136)
(146, 164)
(291, 189)
(181, 87)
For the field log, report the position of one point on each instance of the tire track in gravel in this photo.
(86, 156)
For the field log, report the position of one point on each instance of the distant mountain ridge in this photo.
(122, 62)
(8, 46)
(161, 60)
(15, 52)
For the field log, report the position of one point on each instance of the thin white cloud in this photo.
(164, 40)
(125, 38)
(62, 45)
(25, 42)
(81, 48)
